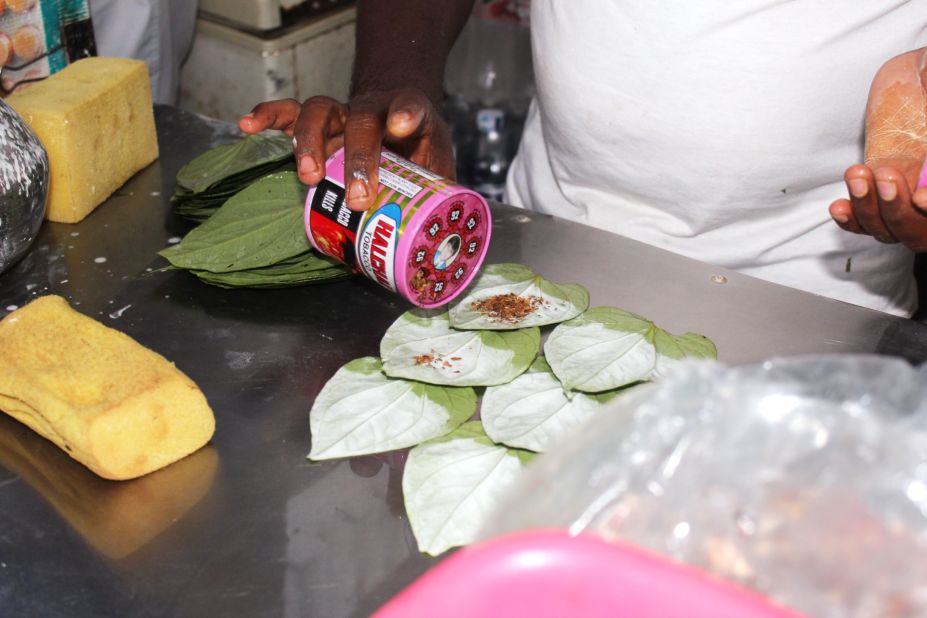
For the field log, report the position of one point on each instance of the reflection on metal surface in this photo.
(115, 517)
(276, 536)
(336, 583)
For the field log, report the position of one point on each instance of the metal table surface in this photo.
(247, 526)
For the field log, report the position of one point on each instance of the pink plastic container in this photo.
(424, 238)
(549, 574)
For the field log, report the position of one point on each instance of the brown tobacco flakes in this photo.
(437, 360)
(509, 308)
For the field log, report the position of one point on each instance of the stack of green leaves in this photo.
(256, 240)
(420, 392)
(207, 181)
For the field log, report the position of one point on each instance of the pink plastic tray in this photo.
(550, 574)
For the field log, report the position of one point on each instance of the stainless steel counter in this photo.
(247, 526)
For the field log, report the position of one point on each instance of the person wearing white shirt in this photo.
(730, 132)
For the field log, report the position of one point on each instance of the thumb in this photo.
(408, 115)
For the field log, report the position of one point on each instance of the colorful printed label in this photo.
(399, 184)
(332, 224)
(376, 246)
(418, 169)
(40, 37)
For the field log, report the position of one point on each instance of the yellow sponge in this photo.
(96, 121)
(117, 407)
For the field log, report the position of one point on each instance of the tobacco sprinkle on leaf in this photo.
(512, 296)
(421, 345)
(436, 360)
(510, 308)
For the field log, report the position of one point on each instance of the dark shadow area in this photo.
(920, 274)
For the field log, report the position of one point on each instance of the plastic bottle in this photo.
(489, 86)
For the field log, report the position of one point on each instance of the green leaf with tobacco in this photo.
(510, 296)
(421, 345)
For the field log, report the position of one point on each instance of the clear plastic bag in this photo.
(804, 479)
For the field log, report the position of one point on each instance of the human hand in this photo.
(404, 120)
(884, 201)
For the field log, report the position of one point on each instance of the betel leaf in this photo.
(259, 227)
(304, 269)
(509, 296)
(248, 278)
(421, 345)
(533, 411)
(603, 349)
(607, 348)
(229, 161)
(452, 484)
(672, 349)
(361, 411)
(201, 206)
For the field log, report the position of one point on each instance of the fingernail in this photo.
(858, 187)
(357, 191)
(307, 165)
(401, 116)
(887, 190)
(248, 115)
(841, 218)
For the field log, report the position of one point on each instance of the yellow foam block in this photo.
(117, 407)
(96, 121)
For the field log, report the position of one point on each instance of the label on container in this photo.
(418, 169)
(376, 246)
(398, 183)
(333, 224)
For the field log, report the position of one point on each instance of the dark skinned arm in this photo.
(884, 200)
(397, 87)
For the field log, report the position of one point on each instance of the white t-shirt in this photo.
(717, 129)
(159, 32)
